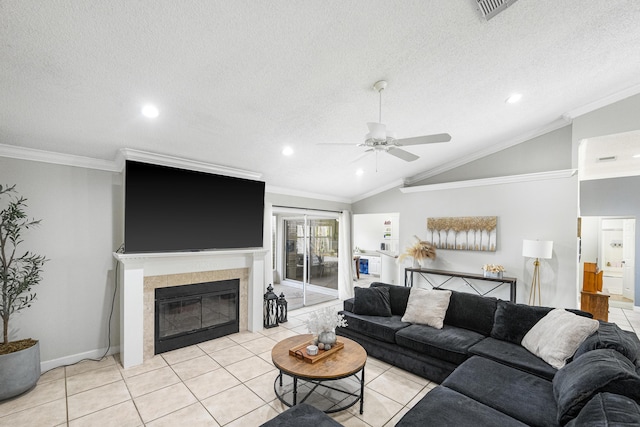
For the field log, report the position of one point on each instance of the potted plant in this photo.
(419, 251)
(19, 360)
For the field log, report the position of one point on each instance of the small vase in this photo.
(327, 337)
(416, 263)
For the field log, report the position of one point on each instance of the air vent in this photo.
(490, 8)
(607, 159)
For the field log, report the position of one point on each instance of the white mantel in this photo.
(135, 267)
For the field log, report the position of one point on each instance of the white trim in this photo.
(492, 181)
(165, 160)
(75, 358)
(391, 185)
(299, 193)
(34, 155)
(555, 125)
(602, 102)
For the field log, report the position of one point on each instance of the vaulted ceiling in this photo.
(237, 81)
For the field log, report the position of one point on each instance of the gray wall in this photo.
(545, 210)
(81, 227)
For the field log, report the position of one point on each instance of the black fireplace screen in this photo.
(191, 314)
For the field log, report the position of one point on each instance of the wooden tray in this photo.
(321, 353)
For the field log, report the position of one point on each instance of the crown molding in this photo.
(555, 125)
(166, 160)
(602, 102)
(390, 186)
(560, 174)
(298, 193)
(34, 155)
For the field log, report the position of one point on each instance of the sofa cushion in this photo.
(596, 371)
(520, 395)
(557, 336)
(609, 335)
(372, 301)
(608, 409)
(513, 321)
(427, 307)
(302, 415)
(513, 355)
(399, 296)
(449, 343)
(470, 311)
(378, 327)
(444, 407)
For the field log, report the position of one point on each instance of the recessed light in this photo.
(359, 172)
(513, 98)
(150, 111)
(287, 151)
(636, 156)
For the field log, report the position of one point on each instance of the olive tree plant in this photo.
(18, 272)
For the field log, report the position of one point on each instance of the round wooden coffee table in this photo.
(332, 384)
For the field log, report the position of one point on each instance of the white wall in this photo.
(81, 214)
(544, 210)
(368, 230)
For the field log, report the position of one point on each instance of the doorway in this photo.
(307, 260)
(610, 243)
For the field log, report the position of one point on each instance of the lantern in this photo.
(282, 309)
(270, 308)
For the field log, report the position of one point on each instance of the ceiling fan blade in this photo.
(427, 139)
(401, 154)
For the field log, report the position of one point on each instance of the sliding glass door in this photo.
(311, 256)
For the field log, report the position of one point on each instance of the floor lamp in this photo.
(536, 249)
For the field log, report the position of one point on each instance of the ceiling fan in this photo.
(379, 139)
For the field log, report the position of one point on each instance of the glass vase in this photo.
(327, 337)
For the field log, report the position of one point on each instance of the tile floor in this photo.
(223, 382)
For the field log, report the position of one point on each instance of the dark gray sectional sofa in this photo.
(487, 378)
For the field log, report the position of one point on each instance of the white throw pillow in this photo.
(557, 336)
(427, 307)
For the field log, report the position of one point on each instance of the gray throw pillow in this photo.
(427, 307)
(372, 301)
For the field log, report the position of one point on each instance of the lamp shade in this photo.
(537, 248)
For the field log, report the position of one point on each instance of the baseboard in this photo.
(74, 358)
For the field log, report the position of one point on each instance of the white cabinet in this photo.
(373, 264)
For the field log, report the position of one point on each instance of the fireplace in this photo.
(191, 314)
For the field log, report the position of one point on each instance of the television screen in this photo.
(169, 209)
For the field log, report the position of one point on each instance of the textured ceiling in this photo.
(236, 81)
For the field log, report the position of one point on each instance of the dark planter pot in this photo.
(19, 371)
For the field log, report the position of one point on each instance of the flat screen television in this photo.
(170, 209)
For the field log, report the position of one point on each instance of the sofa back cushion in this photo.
(609, 335)
(608, 409)
(372, 301)
(473, 312)
(398, 295)
(594, 372)
(512, 321)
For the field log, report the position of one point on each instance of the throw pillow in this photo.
(594, 372)
(427, 307)
(609, 335)
(557, 336)
(372, 301)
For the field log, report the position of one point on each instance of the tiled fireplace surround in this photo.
(141, 274)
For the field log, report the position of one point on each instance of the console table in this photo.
(466, 277)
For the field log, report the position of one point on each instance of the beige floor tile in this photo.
(347, 419)
(98, 398)
(418, 397)
(396, 419)
(396, 387)
(231, 355)
(217, 344)
(379, 363)
(156, 362)
(282, 334)
(255, 417)
(211, 383)
(263, 385)
(52, 375)
(259, 345)
(371, 372)
(266, 356)
(92, 379)
(42, 393)
(408, 375)
(300, 330)
(244, 336)
(249, 368)
(193, 416)
(232, 404)
(378, 409)
(47, 414)
(89, 365)
(270, 331)
(292, 323)
(121, 415)
(151, 381)
(195, 367)
(182, 354)
(164, 401)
